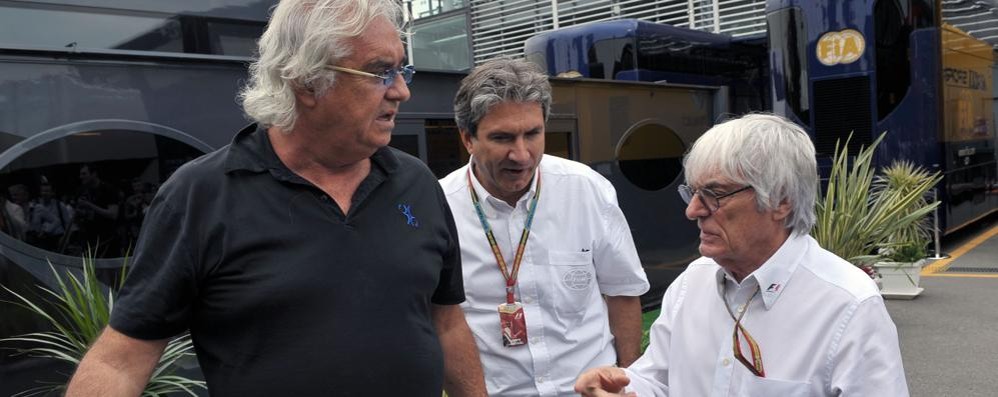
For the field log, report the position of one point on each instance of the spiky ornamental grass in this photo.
(80, 310)
(859, 213)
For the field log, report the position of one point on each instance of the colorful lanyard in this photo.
(756, 365)
(510, 276)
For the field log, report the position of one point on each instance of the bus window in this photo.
(69, 28)
(233, 38)
(893, 66)
(89, 190)
(787, 40)
(650, 156)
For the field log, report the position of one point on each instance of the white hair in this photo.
(302, 38)
(770, 153)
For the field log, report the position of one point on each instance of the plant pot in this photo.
(900, 279)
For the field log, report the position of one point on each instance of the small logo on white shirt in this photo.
(773, 288)
(577, 279)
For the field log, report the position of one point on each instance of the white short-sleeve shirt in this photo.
(579, 249)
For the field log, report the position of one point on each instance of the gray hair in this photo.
(768, 152)
(496, 81)
(304, 36)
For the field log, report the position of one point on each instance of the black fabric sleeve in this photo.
(450, 290)
(156, 301)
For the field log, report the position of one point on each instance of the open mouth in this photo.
(387, 116)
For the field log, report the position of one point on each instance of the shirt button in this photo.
(741, 308)
(541, 379)
(726, 362)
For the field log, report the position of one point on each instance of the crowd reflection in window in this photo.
(94, 214)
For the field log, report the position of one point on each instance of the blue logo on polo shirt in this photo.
(410, 219)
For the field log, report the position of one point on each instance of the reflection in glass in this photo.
(88, 190)
(65, 28)
(788, 40)
(650, 156)
(426, 8)
(442, 44)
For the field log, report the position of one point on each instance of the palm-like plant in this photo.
(859, 213)
(80, 311)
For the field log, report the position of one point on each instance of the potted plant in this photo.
(858, 213)
(904, 253)
(78, 310)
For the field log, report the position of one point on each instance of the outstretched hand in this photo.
(603, 381)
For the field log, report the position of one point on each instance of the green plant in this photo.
(80, 309)
(907, 244)
(859, 213)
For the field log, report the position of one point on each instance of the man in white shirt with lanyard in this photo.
(551, 274)
(765, 311)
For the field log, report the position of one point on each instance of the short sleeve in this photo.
(450, 290)
(618, 267)
(156, 301)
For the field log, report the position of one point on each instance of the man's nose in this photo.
(695, 209)
(399, 90)
(519, 151)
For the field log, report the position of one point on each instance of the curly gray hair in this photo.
(304, 36)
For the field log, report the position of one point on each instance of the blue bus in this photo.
(837, 68)
(636, 50)
(892, 66)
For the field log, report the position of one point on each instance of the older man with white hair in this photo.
(765, 311)
(306, 258)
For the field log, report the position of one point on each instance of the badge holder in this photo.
(514, 326)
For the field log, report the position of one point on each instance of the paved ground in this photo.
(949, 337)
(949, 334)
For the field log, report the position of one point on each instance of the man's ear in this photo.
(782, 211)
(468, 140)
(305, 96)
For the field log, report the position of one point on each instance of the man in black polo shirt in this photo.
(307, 258)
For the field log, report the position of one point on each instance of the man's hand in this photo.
(603, 381)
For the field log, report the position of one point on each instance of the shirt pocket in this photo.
(571, 276)
(754, 386)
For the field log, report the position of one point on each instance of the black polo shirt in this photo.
(282, 292)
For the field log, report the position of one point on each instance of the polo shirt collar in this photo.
(485, 196)
(252, 151)
(774, 274)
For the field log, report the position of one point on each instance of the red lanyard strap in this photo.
(510, 276)
(756, 365)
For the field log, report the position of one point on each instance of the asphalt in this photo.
(949, 333)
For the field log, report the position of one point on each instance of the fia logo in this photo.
(410, 219)
(773, 288)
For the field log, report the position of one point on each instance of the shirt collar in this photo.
(485, 196)
(252, 151)
(774, 274)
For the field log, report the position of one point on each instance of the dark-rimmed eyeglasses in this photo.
(387, 77)
(709, 199)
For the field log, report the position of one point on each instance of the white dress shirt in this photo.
(820, 323)
(579, 249)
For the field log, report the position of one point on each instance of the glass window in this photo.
(66, 28)
(787, 41)
(650, 156)
(87, 190)
(231, 38)
(427, 8)
(892, 30)
(442, 44)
